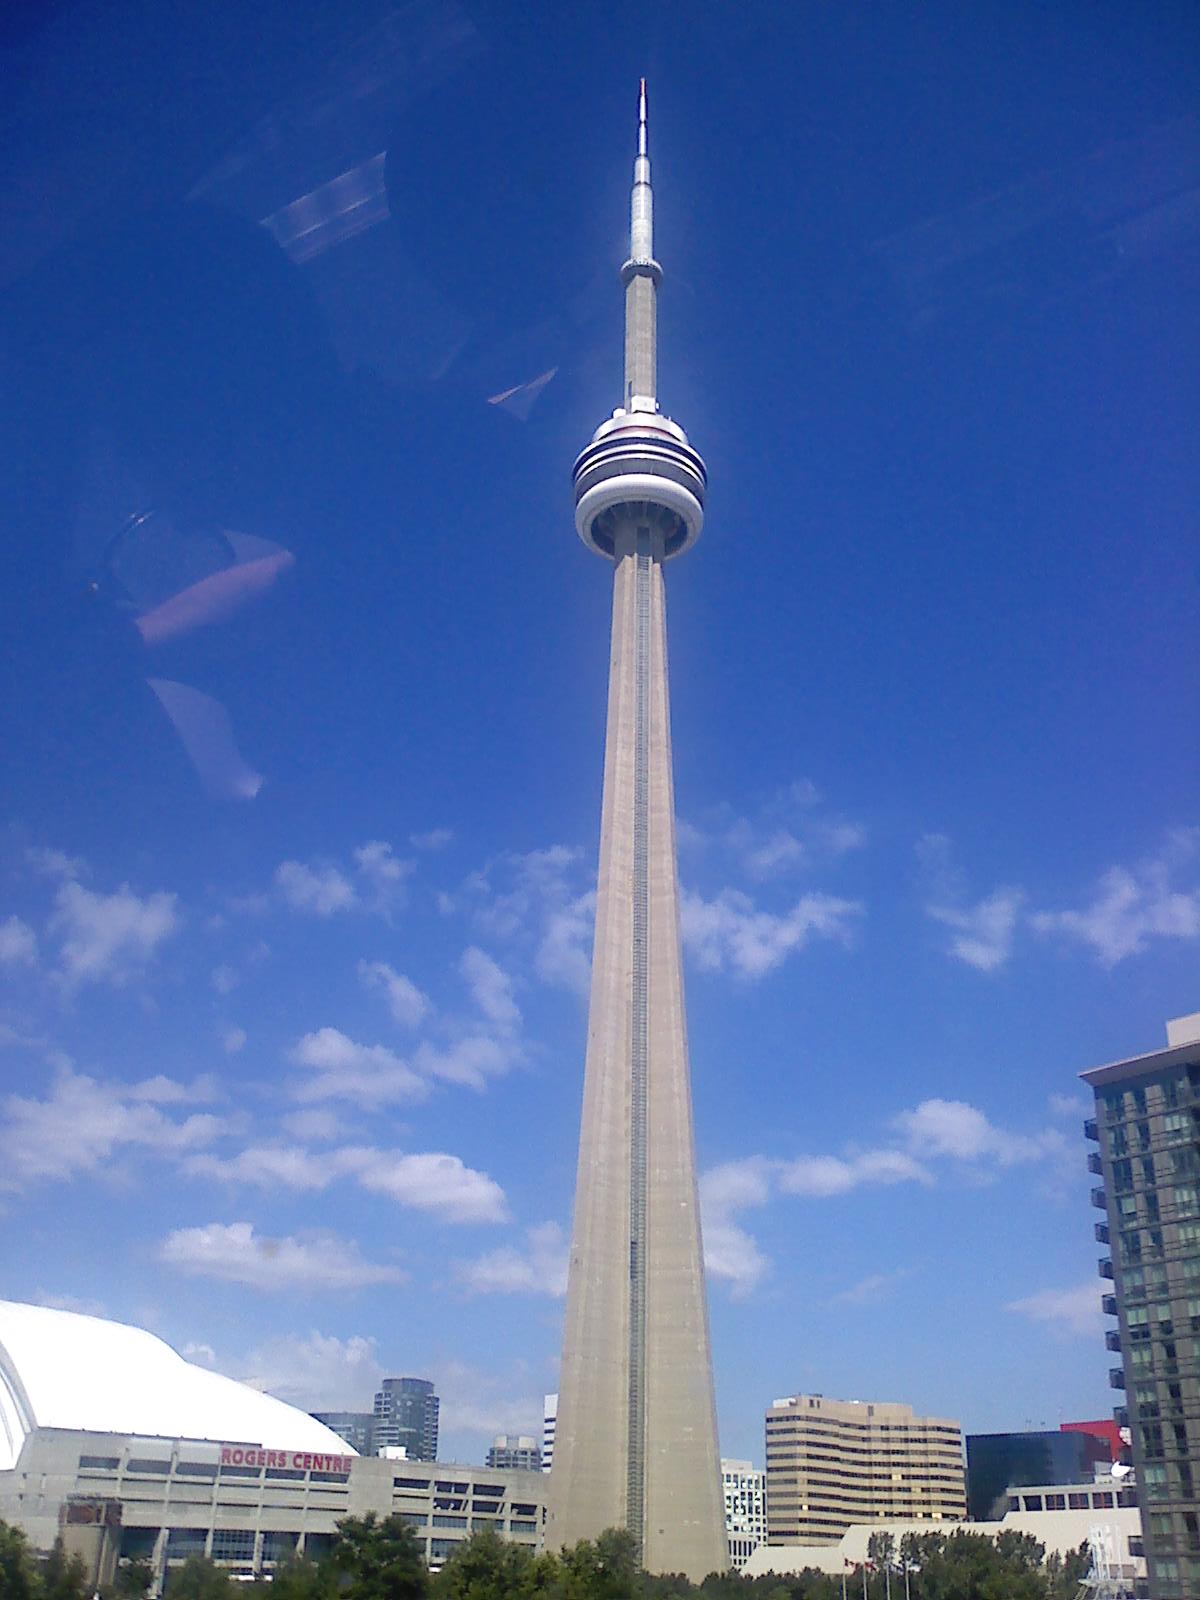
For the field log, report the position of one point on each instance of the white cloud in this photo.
(317, 1372)
(564, 953)
(730, 1253)
(18, 942)
(470, 1061)
(491, 989)
(983, 932)
(1063, 1311)
(69, 1302)
(85, 1126)
(405, 1001)
(110, 936)
(434, 1182)
(316, 1122)
(234, 1253)
(233, 1040)
(871, 1290)
(538, 1267)
(369, 1075)
(48, 863)
(789, 832)
(429, 1181)
(730, 932)
(961, 1132)
(435, 839)
(383, 870)
(481, 1403)
(320, 889)
(821, 1176)
(1133, 907)
(224, 979)
(1068, 1105)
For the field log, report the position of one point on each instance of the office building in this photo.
(111, 1439)
(998, 1462)
(636, 1440)
(834, 1463)
(549, 1422)
(1147, 1127)
(357, 1428)
(406, 1415)
(518, 1452)
(745, 1488)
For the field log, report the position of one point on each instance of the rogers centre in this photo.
(111, 1440)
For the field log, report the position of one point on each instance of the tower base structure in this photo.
(636, 1441)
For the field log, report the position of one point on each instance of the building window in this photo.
(1077, 1502)
(184, 1542)
(195, 1469)
(233, 1544)
(99, 1463)
(450, 1522)
(156, 1469)
(277, 1546)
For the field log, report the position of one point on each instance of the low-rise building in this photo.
(1000, 1462)
(519, 1452)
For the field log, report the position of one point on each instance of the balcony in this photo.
(1094, 1163)
(1112, 1339)
(1121, 1416)
(1090, 1130)
(1116, 1377)
(1100, 1199)
(1105, 1267)
(1101, 1231)
(1108, 1304)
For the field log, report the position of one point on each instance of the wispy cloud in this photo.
(871, 1290)
(338, 1068)
(983, 933)
(435, 839)
(86, 1126)
(791, 831)
(18, 943)
(110, 937)
(937, 1138)
(431, 1181)
(408, 1006)
(1134, 906)
(235, 1253)
(1069, 1312)
(731, 933)
(539, 1266)
(491, 989)
(319, 888)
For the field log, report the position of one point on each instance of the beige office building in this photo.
(835, 1463)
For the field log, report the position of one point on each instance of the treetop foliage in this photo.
(380, 1558)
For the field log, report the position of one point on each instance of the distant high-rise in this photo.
(356, 1427)
(515, 1452)
(833, 1463)
(745, 1488)
(1147, 1124)
(406, 1414)
(636, 1441)
(549, 1425)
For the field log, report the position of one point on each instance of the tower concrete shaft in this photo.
(636, 1443)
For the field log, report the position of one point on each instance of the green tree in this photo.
(486, 1567)
(18, 1575)
(299, 1578)
(132, 1580)
(199, 1579)
(606, 1569)
(63, 1577)
(379, 1559)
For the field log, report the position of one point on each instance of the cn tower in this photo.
(636, 1440)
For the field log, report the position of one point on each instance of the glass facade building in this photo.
(1147, 1128)
(406, 1414)
(997, 1462)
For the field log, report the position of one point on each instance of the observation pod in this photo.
(639, 467)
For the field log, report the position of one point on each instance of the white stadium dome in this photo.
(59, 1369)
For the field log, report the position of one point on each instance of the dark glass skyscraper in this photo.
(998, 1461)
(1147, 1125)
(406, 1413)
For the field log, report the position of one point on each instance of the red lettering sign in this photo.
(237, 1455)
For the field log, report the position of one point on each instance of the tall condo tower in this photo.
(636, 1441)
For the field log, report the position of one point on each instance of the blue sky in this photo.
(303, 320)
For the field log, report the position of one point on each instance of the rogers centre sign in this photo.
(239, 1455)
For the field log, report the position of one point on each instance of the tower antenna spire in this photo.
(640, 275)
